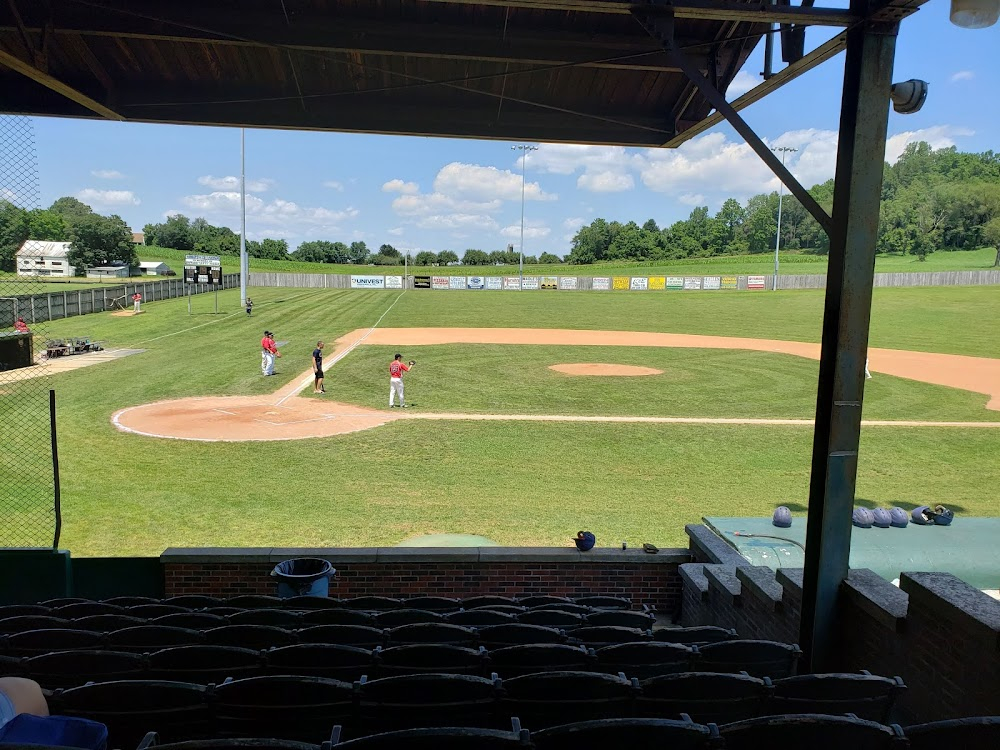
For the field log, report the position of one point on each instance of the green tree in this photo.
(357, 253)
(548, 258)
(273, 249)
(530, 260)
(446, 256)
(13, 232)
(71, 209)
(46, 225)
(386, 260)
(651, 226)
(99, 241)
(632, 242)
(991, 235)
(474, 257)
(426, 258)
(389, 251)
(175, 232)
(591, 242)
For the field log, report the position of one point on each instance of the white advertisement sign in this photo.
(568, 282)
(601, 283)
(367, 282)
(439, 282)
(494, 282)
(476, 282)
(692, 282)
(511, 282)
(456, 282)
(639, 284)
(755, 282)
(712, 282)
(530, 282)
(393, 282)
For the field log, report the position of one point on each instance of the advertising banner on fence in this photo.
(692, 282)
(550, 282)
(421, 282)
(657, 282)
(756, 282)
(476, 282)
(620, 282)
(711, 282)
(601, 283)
(393, 282)
(367, 282)
(675, 282)
(639, 284)
(568, 282)
(729, 282)
(494, 282)
(530, 282)
(439, 282)
(511, 282)
(456, 282)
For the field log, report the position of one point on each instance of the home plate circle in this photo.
(605, 370)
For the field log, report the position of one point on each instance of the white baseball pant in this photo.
(396, 389)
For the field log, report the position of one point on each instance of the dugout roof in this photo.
(581, 71)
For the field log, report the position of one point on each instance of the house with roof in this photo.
(154, 268)
(44, 258)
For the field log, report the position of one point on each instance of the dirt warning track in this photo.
(284, 416)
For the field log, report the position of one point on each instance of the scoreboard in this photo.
(203, 269)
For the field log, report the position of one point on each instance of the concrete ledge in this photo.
(185, 555)
(722, 578)
(877, 597)
(389, 555)
(790, 580)
(341, 556)
(707, 544)
(760, 583)
(953, 600)
(693, 577)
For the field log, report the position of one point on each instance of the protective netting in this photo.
(27, 487)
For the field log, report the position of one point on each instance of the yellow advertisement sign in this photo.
(621, 282)
(657, 282)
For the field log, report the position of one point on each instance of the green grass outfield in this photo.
(763, 264)
(517, 483)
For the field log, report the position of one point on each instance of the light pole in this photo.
(781, 190)
(525, 150)
(244, 264)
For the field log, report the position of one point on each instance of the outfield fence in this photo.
(37, 308)
(932, 278)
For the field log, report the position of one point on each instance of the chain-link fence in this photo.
(28, 492)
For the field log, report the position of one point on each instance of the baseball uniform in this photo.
(396, 370)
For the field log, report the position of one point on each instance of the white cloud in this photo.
(566, 158)
(334, 185)
(458, 221)
(398, 186)
(231, 182)
(938, 136)
(93, 197)
(605, 182)
(397, 231)
(533, 230)
(708, 162)
(962, 75)
(741, 84)
(691, 199)
(573, 223)
(107, 174)
(487, 183)
(433, 203)
(275, 218)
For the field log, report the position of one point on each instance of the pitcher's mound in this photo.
(605, 370)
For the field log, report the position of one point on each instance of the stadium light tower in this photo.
(525, 150)
(781, 191)
(244, 264)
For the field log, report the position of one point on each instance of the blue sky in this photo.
(437, 194)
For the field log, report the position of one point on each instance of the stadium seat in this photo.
(705, 696)
(64, 669)
(475, 602)
(12, 666)
(515, 634)
(606, 734)
(440, 738)
(621, 619)
(328, 660)
(604, 602)
(286, 707)
(131, 708)
(279, 618)
(538, 601)
(812, 731)
(153, 740)
(507, 609)
(608, 635)
(255, 637)
(304, 603)
(344, 635)
(63, 601)
(153, 638)
(425, 658)
(194, 601)
(372, 603)
(427, 700)
(514, 661)
(204, 664)
(579, 609)
(222, 611)
(864, 695)
(479, 618)
(86, 609)
(759, 658)
(152, 611)
(433, 603)
(22, 610)
(131, 601)
(643, 660)
(550, 699)
(106, 623)
(393, 618)
(694, 635)
(337, 617)
(253, 601)
(192, 620)
(24, 623)
(437, 632)
(550, 618)
(973, 733)
(43, 641)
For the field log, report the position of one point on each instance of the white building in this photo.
(153, 268)
(42, 258)
(107, 272)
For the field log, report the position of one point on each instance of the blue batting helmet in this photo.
(782, 517)
(862, 518)
(899, 518)
(880, 517)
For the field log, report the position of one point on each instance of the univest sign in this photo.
(367, 282)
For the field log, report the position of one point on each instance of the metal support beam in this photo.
(857, 189)
(38, 76)
(662, 28)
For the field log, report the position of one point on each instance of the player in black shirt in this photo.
(318, 368)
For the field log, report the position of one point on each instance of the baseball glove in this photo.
(278, 355)
(412, 362)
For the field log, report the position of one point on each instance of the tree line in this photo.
(931, 200)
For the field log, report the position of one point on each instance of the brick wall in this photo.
(646, 579)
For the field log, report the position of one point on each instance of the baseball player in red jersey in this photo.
(268, 351)
(396, 370)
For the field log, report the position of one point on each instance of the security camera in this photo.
(909, 96)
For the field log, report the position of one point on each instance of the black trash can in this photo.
(304, 576)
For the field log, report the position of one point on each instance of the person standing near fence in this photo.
(268, 351)
(396, 370)
(136, 301)
(249, 306)
(318, 368)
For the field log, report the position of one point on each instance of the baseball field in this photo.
(497, 442)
